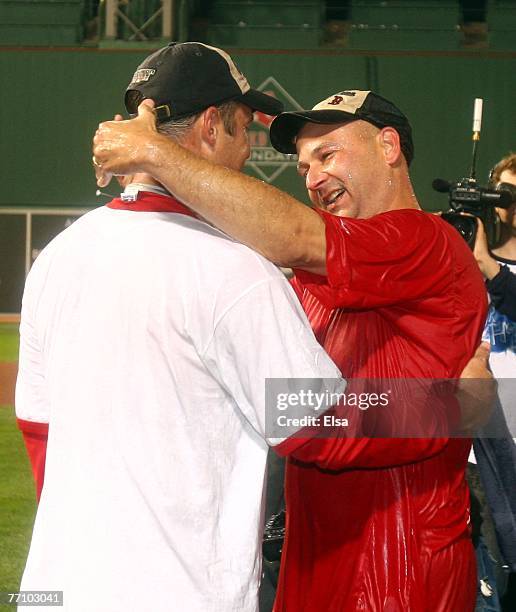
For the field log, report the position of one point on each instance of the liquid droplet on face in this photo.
(350, 176)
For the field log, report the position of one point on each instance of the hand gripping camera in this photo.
(466, 196)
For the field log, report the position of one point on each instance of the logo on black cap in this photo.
(143, 75)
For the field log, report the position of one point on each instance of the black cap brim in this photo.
(285, 128)
(258, 101)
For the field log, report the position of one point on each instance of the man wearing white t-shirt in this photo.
(146, 339)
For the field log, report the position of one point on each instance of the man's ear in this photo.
(389, 140)
(210, 126)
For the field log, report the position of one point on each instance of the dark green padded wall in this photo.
(50, 105)
(52, 100)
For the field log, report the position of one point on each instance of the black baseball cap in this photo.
(186, 78)
(343, 107)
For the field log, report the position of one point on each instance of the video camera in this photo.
(466, 196)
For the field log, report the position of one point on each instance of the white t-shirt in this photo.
(146, 338)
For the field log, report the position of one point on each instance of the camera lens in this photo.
(466, 226)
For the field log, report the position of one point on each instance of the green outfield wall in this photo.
(52, 99)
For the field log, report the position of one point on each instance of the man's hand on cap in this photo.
(99, 175)
(119, 146)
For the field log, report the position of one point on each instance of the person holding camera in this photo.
(499, 265)
(492, 469)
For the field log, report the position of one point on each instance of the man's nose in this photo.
(315, 177)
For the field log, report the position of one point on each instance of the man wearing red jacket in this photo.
(390, 292)
(393, 536)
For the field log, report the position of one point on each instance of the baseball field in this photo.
(17, 498)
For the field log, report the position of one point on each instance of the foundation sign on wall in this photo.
(265, 162)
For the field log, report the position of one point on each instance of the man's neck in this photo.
(140, 183)
(145, 179)
(400, 186)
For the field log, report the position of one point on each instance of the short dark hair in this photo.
(177, 128)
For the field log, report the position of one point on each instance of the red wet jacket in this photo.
(382, 524)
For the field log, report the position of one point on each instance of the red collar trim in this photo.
(152, 202)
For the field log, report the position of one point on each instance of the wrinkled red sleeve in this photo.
(338, 454)
(35, 437)
(388, 259)
(377, 439)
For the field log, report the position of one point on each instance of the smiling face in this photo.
(344, 168)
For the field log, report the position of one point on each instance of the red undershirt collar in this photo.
(152, 202)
